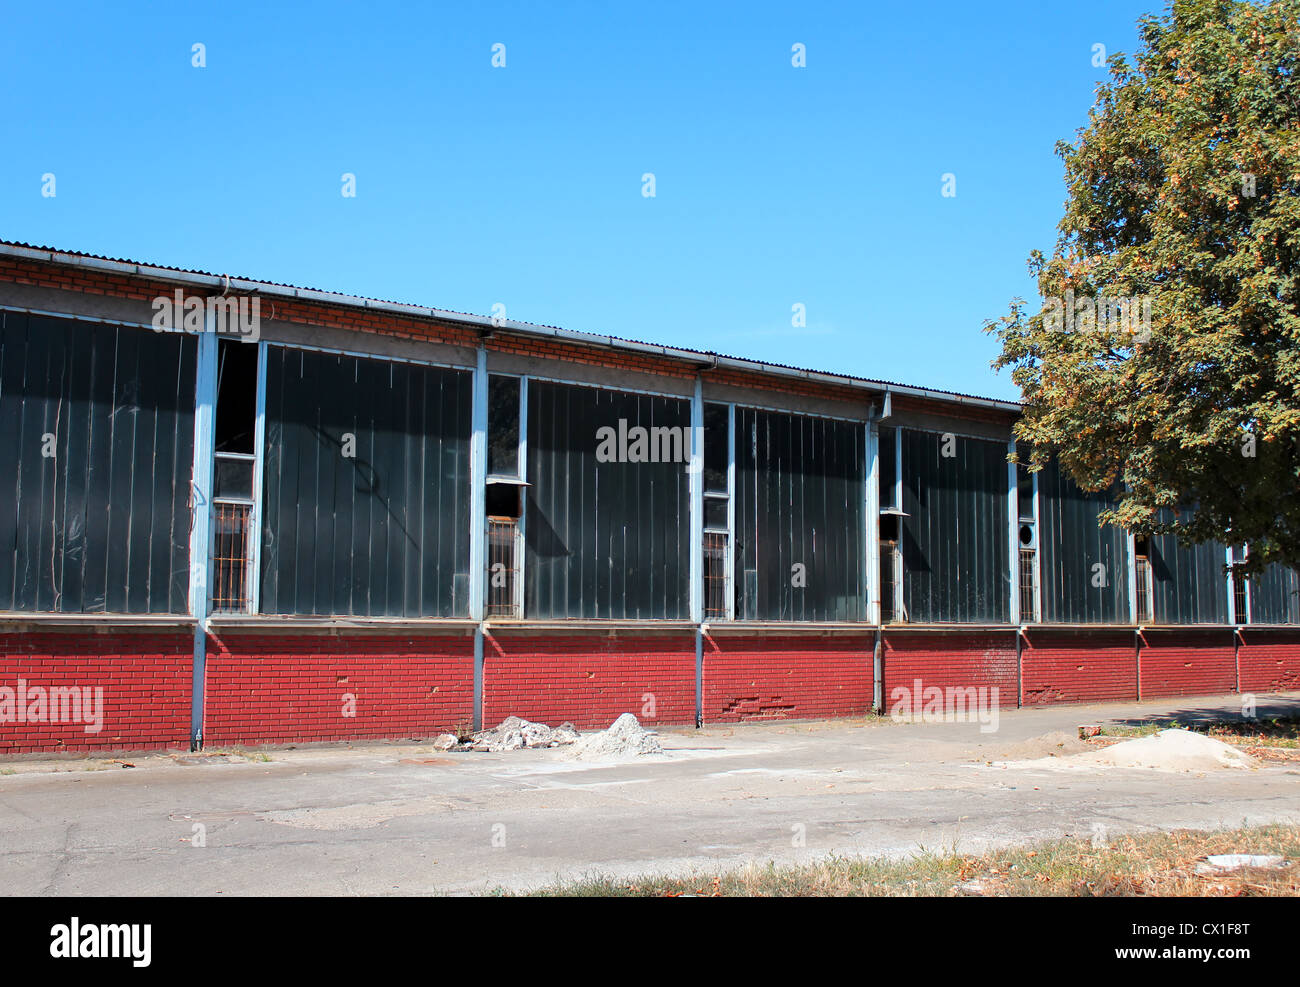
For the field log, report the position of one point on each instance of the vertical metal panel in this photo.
(1275, 596)
(799, 502)
(605, 539)
(1083, 568)
(1188, 582)
(384, 532)
(956, 563)
(478, 490)
(96, 435)
(871, 521)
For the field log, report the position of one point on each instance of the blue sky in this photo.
(522, 185)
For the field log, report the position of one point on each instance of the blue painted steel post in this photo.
(478, 522)
(205, 408)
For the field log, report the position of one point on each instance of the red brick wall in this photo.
(956, 660)
(275, 689)
(145, 680)
(589, 679)
(1084, 667)
(1269, 660)
(1187, 663)
(792, 677)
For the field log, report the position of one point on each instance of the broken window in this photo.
(233, 471)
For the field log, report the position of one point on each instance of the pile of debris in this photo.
(511, 734)
(625, 737)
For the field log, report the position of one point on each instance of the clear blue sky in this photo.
(522, 185)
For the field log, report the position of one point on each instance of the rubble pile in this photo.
(514, 734)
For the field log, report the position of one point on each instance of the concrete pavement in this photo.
(404, 819)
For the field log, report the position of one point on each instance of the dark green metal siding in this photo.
(604, 539)
(1072, 547)
(103, 524)
(955, 551)
(1275, 596)
(386, 532)
(799, 500)
(1190, 583)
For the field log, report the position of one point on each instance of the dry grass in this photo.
(1148, 864)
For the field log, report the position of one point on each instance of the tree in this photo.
(1166, 354)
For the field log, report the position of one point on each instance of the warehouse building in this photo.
(236, 512)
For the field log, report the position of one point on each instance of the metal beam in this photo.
(697, 504)
(478, 487)
(205, 408)
(1013, 533)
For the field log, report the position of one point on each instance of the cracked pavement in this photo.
(406, 819)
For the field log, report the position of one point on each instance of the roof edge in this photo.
(488, 324)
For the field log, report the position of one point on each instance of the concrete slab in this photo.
(405, 819)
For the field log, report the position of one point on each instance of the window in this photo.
(891, 562)
(1145, 588)
(233, 466)
(717, 509)
(503, 426)
(1028, 594)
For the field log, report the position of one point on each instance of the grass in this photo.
(1146, 864)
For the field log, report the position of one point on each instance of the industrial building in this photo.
(237, 512)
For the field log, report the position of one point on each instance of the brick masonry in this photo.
(589, 679)
(762, 677)
(1269, 660)
(145, 683)
(1187, 663)
(274, 689)
(1078, 667)
(917, 661)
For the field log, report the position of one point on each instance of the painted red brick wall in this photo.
(1187, 663)
(589, 679)
(1269, 661)
(145, 680)
(274, 690)
(948, 660)
(1084, 667)
(791, 677)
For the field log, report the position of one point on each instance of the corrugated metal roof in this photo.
(514, 325)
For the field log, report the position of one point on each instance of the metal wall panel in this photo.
(955, 537)
(800, 489)
(1190, 584)
(101, 523)
(1076, 555)
(1275, 596)
(604, 539)
(384, 532)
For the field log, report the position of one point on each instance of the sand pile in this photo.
(1168, 750)
(625, 738)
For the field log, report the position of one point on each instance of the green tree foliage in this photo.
(1184, 193)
